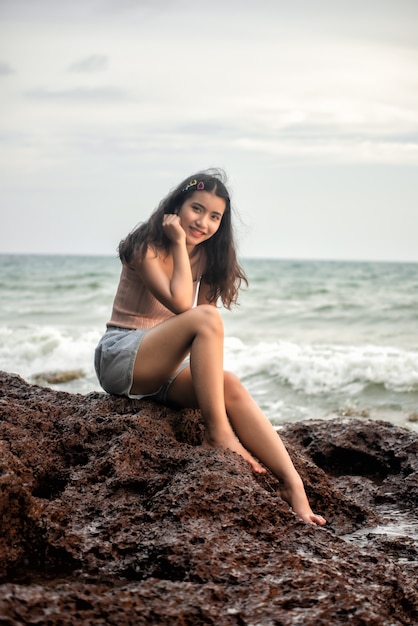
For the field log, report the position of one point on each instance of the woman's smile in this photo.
(196, 231)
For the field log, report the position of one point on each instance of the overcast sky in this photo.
(310, 106)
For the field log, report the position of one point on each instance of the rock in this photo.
(113, 513)
(57, 377)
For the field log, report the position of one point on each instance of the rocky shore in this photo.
(113, 513)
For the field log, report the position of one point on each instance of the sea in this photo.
(309, 339)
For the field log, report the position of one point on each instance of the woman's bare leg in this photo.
(200, 332)
(257, 435)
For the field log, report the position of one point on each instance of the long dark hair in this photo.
(223, 273)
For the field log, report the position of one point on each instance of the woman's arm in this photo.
(169, 278)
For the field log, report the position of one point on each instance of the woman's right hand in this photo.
(172, 228)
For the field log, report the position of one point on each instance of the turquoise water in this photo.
(309, 339)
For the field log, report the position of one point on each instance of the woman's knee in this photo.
(208, 318)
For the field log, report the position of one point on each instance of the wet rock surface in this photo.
(113, 513)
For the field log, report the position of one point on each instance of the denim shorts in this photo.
(114, 360)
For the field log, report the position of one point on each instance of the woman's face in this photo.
(200, 216)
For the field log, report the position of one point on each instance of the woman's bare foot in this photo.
(298, 500)
(232, 443)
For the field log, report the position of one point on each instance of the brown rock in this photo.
(113, 513)
(58, 377)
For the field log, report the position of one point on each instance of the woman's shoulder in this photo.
(141, 256)
(152, 262)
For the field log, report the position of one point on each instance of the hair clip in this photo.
(191, 184)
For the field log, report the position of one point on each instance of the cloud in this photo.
(105, 93)
(93, 63)
(205, 128)
(5, 69)
(142, 8)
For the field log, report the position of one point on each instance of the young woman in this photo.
(165, 336)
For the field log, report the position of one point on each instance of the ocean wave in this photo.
(317, 369)
(313, 369)
(32, 350)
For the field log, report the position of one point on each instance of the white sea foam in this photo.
(34, 350)
(322, 369)
(313, 369)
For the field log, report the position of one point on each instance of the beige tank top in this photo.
(134, 305)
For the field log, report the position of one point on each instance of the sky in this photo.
(310, 107)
